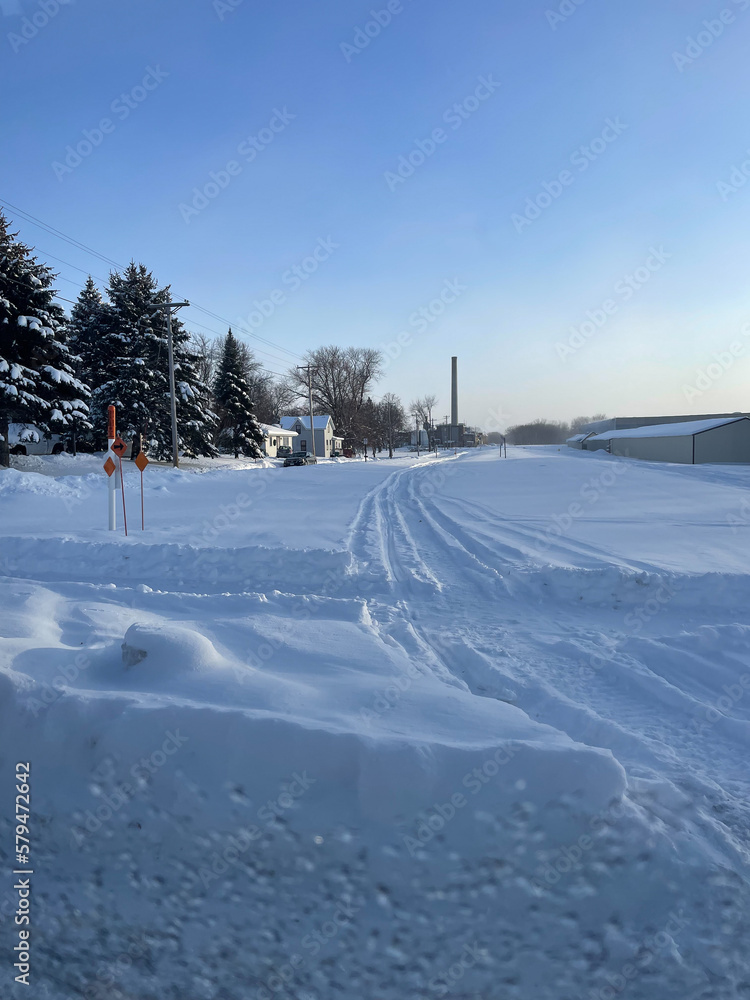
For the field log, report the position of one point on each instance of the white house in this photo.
(326, 441)
(275, 437)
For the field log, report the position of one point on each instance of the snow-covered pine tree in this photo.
(89, 328)
(37, 368)
(239, 428)
(139, 370)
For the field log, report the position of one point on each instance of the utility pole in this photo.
(309, 393)
(169, 306)
(390, 432)
(416, 424)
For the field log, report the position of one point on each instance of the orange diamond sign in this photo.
(109, 466)
(141, 461)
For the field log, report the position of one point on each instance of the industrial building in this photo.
(456, 436)
(577, 440)
(692, 442)
(626, 423)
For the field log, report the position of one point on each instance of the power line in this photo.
(120, 267)
(68, 264)
(56, 232)
(208, 329)
(259, 367)
(15, 281)
(248, 333)
(63, 278)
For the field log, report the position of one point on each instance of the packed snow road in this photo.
(461, 726)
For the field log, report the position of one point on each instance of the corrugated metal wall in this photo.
(656, 449)
(727, 444)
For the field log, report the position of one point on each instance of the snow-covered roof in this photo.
(685, 429)
(277, 429)
(319, 423)
(579, 437)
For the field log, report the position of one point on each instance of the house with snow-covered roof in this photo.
(326, 441)
(277, 440)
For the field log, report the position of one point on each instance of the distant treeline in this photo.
(548, 431)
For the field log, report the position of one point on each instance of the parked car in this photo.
(348, 452)
(300, 458)
(283, 450)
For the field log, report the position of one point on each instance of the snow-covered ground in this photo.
(456, 726)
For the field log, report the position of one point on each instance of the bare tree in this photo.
(538, 432)
(429, 403)
(208, 350)
(577, 423)
(341, 381)
(284, 399)
(422, 408)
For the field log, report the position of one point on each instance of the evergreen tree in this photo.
(87, 330)
(89, 327)
(138, 385)
(239, 427)
(37, 368)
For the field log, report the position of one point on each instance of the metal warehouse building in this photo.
(720, 440)
(577, 440)
(626, 423)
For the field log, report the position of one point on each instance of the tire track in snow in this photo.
(607, 712)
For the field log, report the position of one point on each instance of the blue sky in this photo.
(522, 277)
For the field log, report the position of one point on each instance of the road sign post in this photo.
(141, 461)
(118, 447)
(111, 483)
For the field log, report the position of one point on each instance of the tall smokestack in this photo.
(454, 392)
